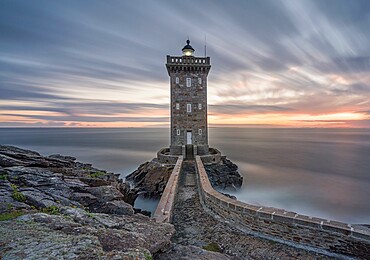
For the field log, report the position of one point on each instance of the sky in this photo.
(275, 63)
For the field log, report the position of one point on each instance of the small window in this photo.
(177, 80)
(200, 80)
(188, 82)
(188, 108)
(200, 106)
(177, 106)
(178, 131)
(200, 131)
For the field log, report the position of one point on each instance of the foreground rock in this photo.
(75, 233)
(68, 209)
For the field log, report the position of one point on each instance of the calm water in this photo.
(320, 172)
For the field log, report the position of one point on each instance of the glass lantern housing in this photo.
(187, 50)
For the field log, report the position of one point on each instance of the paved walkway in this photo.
(194, 226)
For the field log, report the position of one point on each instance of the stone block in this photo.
(264, 213)
(250, 210)
(287, 218)
(361, 235)
(338, 227)
(307, 221)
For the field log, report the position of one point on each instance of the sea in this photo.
(317, 172)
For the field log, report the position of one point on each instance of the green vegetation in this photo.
(212, 247)
(51, 210)
(97, 174)
(3, 177)
(10, 215)
(16, 194)
(148, 256)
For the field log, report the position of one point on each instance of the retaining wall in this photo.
(332, 236)
(164, 156)
(164, 210)
(214, 156)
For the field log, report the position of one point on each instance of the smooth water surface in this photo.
(318, 172)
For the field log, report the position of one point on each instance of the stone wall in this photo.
(164, 210)
(213, 157)
(327, 235)
(165, 157)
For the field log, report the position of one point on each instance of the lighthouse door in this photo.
(189, 139)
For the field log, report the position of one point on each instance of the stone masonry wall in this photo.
(332, 236)
(164, 210)
(195, 121)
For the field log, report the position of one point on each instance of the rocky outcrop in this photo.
(70, 210)
(77, 234)
(58, 180)
(150, 179)
(224, 175)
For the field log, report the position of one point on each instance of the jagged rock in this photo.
(105, 193)
(150, 178)
(62, 157)
(37, 198)
(86, 199)
(224, 175)
(118, 207)
(59, 182)
(129, 194)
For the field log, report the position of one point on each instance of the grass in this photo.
(51, 210)
(3, 177)
(212, 247)
(10, 215)
(16, 194)
(148, 256)
(97, 174)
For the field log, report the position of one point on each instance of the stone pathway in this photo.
(196, 227)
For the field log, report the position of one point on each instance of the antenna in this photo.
(205, 45)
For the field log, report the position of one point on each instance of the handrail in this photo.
(164, 210)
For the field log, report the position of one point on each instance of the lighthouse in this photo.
(188, 86)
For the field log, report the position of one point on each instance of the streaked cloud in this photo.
(274, 62)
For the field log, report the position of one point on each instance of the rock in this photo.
(224, 175)
(105, 193)
(117, 207)
(150, 178)
(129, 194)
(62, 157)
(77, 234)
(85, 199)
(37, 198)
(59, 182)
(181, 252)
(144, 212)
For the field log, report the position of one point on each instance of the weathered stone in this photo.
(118, 207)
(105, 193)
(37, 198)
(86, 199)
(181, 252)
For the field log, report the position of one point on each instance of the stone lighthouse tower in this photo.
(188, 83)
